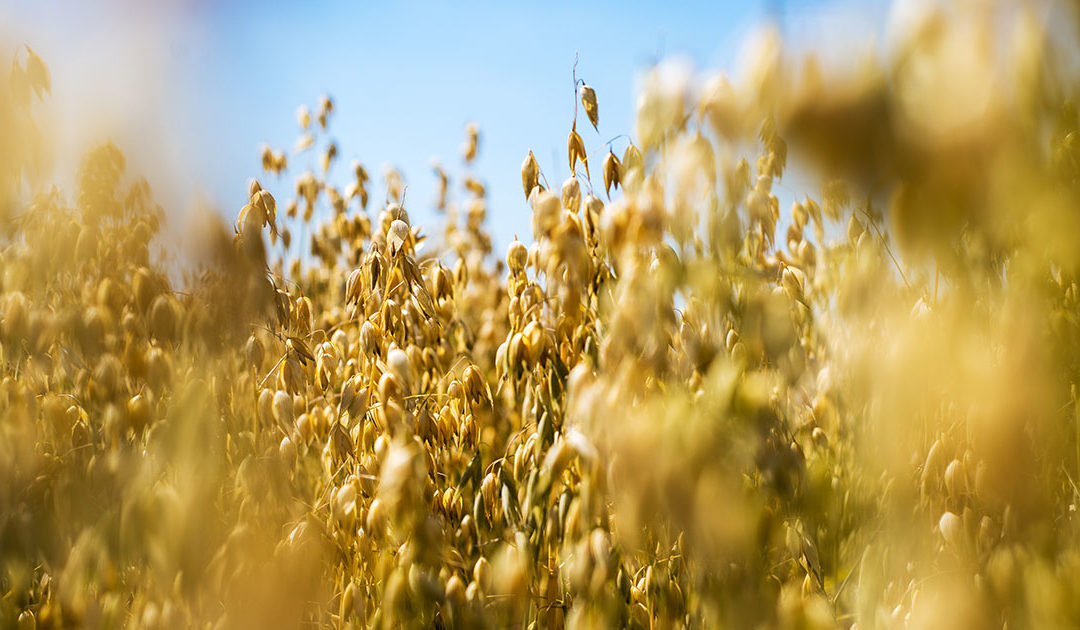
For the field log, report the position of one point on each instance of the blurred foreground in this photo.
(676, 406)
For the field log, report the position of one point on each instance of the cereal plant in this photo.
(675, 404)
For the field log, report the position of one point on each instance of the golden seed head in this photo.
(400, 365)
(283, 407)
(571, 194)
(546, 213)
(27, 621)
(612, 173)
(952, 529)
(287, 450)
(576, 151)
(517, 255)
(588, 100)
(397, 237)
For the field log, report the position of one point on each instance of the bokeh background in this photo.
(191, 90)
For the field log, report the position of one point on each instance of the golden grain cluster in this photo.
(677, 406)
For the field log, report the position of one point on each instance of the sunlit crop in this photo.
(677, 403)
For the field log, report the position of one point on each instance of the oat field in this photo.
(678, 403)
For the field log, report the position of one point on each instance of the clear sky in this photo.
(196, 87)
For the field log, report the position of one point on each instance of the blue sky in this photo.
(407, 78)
(197, 87)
